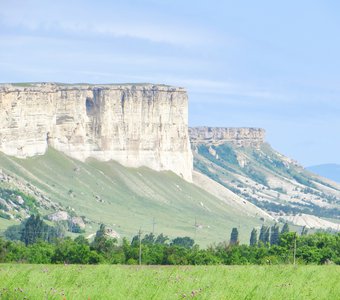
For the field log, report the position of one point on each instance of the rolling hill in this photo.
(271, 181)
(125, 199)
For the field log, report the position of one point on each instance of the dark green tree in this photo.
(34, 229)
(161, 239)
(264, 235)
(253, 237)
(14, 232)
(304, 230)
(148, 239)
(81, 240)
(135, 241)
(71, 252)
(177, 254)
(275, 235)
(40, 252)
(234, 237)
(107, 246)
(285, 228)
(185, 242)
(100, 239)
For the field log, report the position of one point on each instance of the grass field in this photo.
(18, 281)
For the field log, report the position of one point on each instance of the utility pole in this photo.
(153, 225)
(295, 249)
(140, 245)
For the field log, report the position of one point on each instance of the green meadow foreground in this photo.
(18, 281)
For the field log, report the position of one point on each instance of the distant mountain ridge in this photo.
(330, 171)
(242, 162)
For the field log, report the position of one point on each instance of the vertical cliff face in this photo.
(243, 136)
(136, 125)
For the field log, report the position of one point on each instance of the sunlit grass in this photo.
(162, 282)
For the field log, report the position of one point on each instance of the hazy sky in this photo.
(270, 64)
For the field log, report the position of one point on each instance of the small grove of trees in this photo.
(269, 235)
(274, 248)
(33, 229)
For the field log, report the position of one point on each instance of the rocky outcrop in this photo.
(58, 216)
(64, 216)
(136, 125)
(246, 137)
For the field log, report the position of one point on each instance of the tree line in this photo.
(269, 235)
(38, 242)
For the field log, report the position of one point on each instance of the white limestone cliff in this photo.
(136, 125)
(239, 136)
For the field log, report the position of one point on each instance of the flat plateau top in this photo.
(222, 129)
(56, 86)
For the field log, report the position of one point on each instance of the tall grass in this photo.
(161, 282)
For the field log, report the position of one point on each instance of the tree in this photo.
(106, 247)
(185, 242)
(102, 243)
(34, 229)
(71, 252)
(135, 241)
(176, 254)
(304, 230)
(81, 240)
(40, 253)
(253, 237)
(148, 239)
(285, 228)
(234, 237)
(161, 239)
(264, 235)
(14, 232)
(275, 235)
(100, 239)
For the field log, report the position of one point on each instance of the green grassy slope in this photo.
(208, 282)
(126, 199)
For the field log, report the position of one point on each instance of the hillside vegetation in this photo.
(124, 199)
(271, 181)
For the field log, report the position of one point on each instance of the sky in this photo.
(268, 64)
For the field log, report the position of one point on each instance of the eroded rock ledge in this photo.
(243, 136)
(134, 124)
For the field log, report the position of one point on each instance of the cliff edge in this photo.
(238, 136)
(135, 125)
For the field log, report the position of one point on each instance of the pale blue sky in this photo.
(270, 64)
